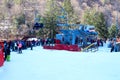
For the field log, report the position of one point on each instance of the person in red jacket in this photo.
(20, 47)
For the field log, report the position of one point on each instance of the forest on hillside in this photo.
(17, 17)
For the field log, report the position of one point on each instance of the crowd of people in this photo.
(19, 45)
(114, 44)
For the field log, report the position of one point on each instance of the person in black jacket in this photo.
(7, 51)
(112, 45)
(31, 45)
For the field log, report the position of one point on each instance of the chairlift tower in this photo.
(116, 24)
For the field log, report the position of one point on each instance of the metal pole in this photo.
(116, 24)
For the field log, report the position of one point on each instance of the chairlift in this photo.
(38, 25)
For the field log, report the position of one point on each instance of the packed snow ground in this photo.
(41, 64)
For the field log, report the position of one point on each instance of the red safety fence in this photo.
(48, 47)
(63, 47)
(57, 41)
(74, 48)
(1, 54)
(59, 46)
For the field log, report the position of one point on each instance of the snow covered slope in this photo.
(41, 64)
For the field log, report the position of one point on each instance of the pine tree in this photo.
(72, 17)
(50, 20)
(101, 25)
(91, 17)
(68, 7)
(113, 31)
